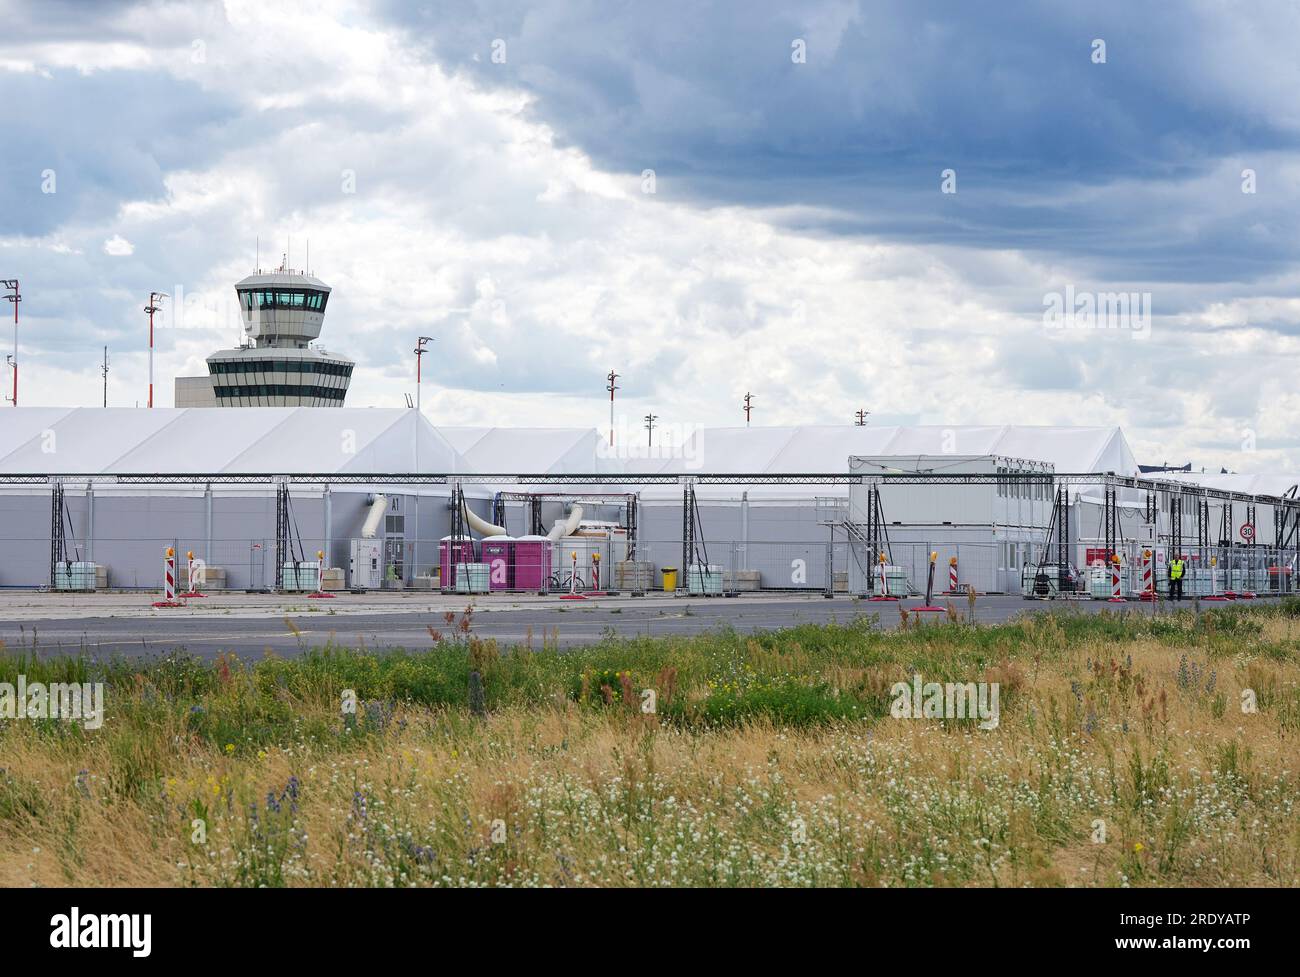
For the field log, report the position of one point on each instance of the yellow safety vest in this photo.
(1176, 570)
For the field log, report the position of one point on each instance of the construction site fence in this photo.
(840, 566)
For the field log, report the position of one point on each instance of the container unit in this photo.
(74, 576)
(364, 568)
(1196, 582)
(532, 562)
(300, 576)
(1100, 585)
(454, 551)
(586, 547)
(473, 578)
(704, 579)
(499, 555)
(896, 578)
(636, 575)
(1278, 577)
(1044, 581)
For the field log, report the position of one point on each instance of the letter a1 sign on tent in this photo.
(1247, 532)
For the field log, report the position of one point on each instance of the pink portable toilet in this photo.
(453, 550)
(532, 562)
(499, 555)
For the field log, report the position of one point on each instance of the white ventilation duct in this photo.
(480, 526)
(568, 526)
(378, 506)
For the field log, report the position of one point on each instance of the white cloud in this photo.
(118, 246)
(537, 272)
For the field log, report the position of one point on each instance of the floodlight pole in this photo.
(650, 429)
(12, 285)
(748, 407)
(151, 308)
(420, 343)
(611, 387)
(862, 417)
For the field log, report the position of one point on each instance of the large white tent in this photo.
(254, 440)
(826, 449)
(1269, 483)
(759, 527)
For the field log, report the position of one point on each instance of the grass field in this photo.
(1122, 756)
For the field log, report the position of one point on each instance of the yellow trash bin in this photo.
(670, 579)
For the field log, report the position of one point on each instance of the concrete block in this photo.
(741, 580)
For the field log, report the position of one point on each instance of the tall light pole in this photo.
(862, 417)
(420, 343)
(748, 407)
(104, 372)
(611, 387)
(650, 429)
(151, 308)
(12, 285)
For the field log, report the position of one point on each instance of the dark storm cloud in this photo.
(1053, 153)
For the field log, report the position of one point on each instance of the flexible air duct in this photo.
(375, 517)
(568, 527)
(480, 526)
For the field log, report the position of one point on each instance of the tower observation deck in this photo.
(279, 366)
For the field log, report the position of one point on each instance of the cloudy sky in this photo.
(857, 205)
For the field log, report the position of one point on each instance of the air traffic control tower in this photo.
(277, 366)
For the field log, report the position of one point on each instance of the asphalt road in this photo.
(251, 632)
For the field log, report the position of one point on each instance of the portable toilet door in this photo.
(453, 552)
(498, 555)
(532, 562)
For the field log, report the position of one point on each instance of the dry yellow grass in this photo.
(1145, 738)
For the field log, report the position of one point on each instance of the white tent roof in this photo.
(251, 440)
(791, 450)
(1262, 484)
(531, 450)
(270, 440)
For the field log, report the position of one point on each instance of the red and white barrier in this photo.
(320, 593)
(1116, 596)
(169, 582)
(193, 569)
(573, 582)
(952, 575)
(1214, 581)
(929, 590)
(596, 590)
(1148, 578)
(884, 583)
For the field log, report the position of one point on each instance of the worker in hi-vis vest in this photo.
(1176, 578)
